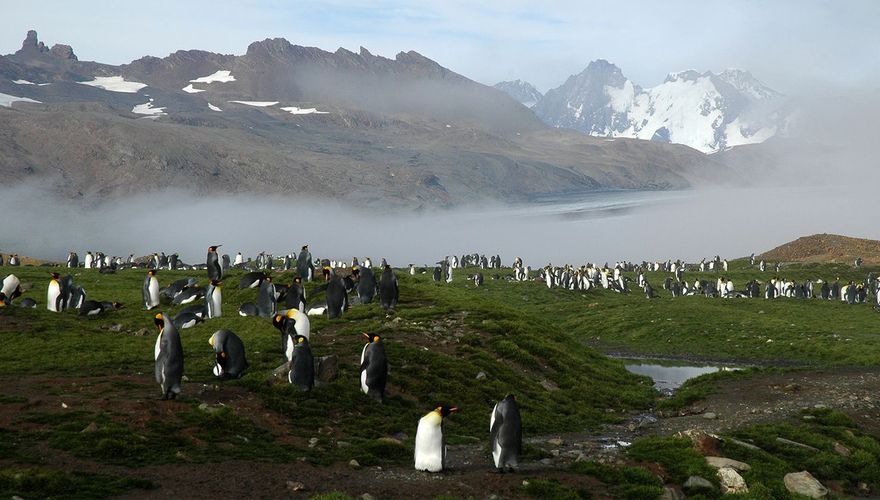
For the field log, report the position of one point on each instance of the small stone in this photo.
(743, 444)
(795, 443)
(143, 332)
(180, 456)
(294, 486)
(116, 327)
(803, 483)
(481, 375)
(313, 442)
(64, 405)
(710, 415)
(555, 453)
(555, 442)
(698, 483)
(354, 464)
(342, 444)
(721, 462)
(546, 461)
(841, 449)
(93, 427)
(367, 496)
(390, 440)
(731, 482)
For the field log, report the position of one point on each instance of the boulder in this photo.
(803, 483)
(720, 462)
(671, 493)
(705, 443)
(841, 450)
(731, 481)
(696, 484)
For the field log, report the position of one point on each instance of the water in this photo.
(669, 378)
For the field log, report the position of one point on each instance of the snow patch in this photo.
(148, 109)
(305, 111)
(7, 100)
(259, 104)
(213, 108)
(190, 90)
(115, 84)
(221, 76)
(23, 82)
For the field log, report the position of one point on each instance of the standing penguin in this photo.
(72, 260)
(266, 298)
(296, 296)
(53, 296)
(304, 266)
(388, 289)
(214, 299)
(374, 368)
(169, 357)
(230, 361)
(430, 453)
(302, 365)
(215, 272)
(151, 290)
(89, 261)
(337, 297)
(505, 434)
(366, 285)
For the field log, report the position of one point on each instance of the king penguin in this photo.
(230, 360)
(505, 434)
(389, 292)
(53, 296)
(169, 357)
(302, 365)
(366, 285)
(430, 452)
(337, 297)
(214, 299)
(296, 297)
(266, 298)
(374, 368)
(151, 290)
(215, 272)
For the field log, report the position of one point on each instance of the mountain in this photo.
(707, 111)
(303, 122)
(523, 92)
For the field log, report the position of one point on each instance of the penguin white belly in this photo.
(364, 372)
(429, 444)
(496, 448)
(288, 348)
(158, 346)
(154, 291)
(52, 295)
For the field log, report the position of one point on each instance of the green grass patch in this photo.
(50, 483)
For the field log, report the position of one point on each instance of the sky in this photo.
(789, 44)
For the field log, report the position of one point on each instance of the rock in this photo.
(731, 481)
(143, 332)
(354, 464)
(721, 462)
(803, 483)
(671, 493)
(743, 444)
(555, 442)
(481, 375)
(697, 483)
(390, 440)
(313, 442)
(550, 386)
(841, 449)
(92, 427)
(795, 443)
(63, 51)
(546, 461)
(342, 444)
(326, 369)
(116, 327)
(367, 496)
(705, 443)
(294, 486)
(710, 415)
(279, 375)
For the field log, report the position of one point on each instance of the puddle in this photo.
(667, 378)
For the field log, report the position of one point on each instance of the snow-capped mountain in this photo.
(524, 92)
(707, 111)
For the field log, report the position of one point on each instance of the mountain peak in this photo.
(524, 92)
(33, 47)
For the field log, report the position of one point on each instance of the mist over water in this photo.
(595, 227)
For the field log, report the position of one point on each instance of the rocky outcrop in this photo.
(803, 483)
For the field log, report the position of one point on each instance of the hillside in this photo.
(830, 248)
(283, 118)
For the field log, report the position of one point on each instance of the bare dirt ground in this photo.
(739, 402)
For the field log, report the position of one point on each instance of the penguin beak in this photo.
(453, 409)
(367, 335)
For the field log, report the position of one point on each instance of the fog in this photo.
(596, 227)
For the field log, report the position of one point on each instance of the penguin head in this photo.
(297, 280)
(159, 320)
(55, 276)
(216, 283)
(372, 337)
(300, 340)
(117, 305)
(213, 248)
(151, 272)
(3, 299)
(278, 321)
(444, 411)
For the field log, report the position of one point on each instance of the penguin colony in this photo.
(292, 322)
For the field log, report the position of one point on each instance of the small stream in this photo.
(668, 377)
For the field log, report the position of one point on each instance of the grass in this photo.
(522, 338)
(50, 483)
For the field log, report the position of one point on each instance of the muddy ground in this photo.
(739, 402)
